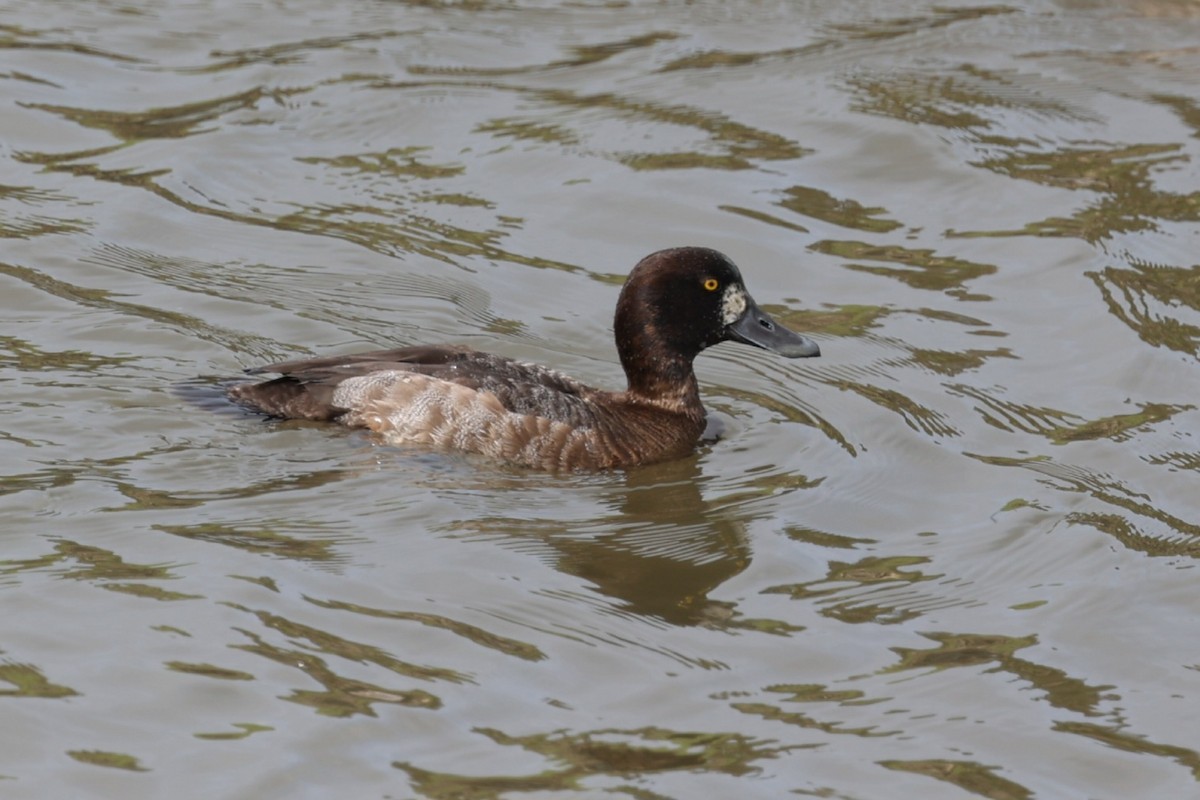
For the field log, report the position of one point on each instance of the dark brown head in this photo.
(677, 302)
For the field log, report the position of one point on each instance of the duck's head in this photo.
(677, 302)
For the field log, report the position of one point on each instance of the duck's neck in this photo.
(658, 374)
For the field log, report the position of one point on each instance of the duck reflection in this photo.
(660, 551)
(648, 538)
(664, 551)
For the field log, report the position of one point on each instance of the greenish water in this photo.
(949, 559)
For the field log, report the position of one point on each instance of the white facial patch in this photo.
(733, 304)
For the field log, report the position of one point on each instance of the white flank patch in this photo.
(733, 304)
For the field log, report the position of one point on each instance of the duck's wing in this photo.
(428, 355)
(307, 387)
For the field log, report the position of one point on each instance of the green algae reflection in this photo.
(998, 653)
(817, 204)
(1120, 175)
(611, 753)
(973, 778)
(104, 758)
(812, 693)
(848, 587)
(1118, 427)
(1152, 299)
(1115, 737)
(160, 123)
(472, 633)
(28, 681)
(918, 268)
(342, 697)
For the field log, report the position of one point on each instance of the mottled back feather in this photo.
(306, 388)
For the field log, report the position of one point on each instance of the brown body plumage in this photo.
(674, 304)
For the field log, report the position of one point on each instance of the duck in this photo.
(674, 304)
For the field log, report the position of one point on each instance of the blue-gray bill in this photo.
(757, 328)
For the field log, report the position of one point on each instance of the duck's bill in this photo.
(757, 328)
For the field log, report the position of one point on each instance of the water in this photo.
(951, 558)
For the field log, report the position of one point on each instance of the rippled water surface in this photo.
(951, 558)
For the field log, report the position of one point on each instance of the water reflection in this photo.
(274, 537)
(873, 589)
(1120, 174)
(865, 27)
(921, 269)
(1186, 108)
(159, 123)
(965, 99)
(471, 633)
(1142, 524)
(912, 178)
(18, 223)
(107, 301)
(808, 201)
(1009, 415)
(295, 51)
(738, 146)
(915, 415)
(244, 729)
(107, 758)
(624, 755)
(1116, 736)
(970, 776)
(813, 694)
(1159, 302)
(660, 550)
(28, 681)
(91, 564)
(973, 650)
(209, 671)
(581, 55)
(342, 696)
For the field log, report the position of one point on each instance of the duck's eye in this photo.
(711, 284)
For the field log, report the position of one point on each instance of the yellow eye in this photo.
(711, 284)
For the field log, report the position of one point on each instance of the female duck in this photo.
(674, 304)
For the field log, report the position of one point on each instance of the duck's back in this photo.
(454, 398)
